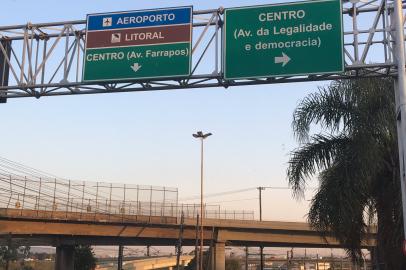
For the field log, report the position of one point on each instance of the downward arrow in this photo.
(284, 59)
(136, 67)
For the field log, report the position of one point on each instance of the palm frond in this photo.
(339, 206)
(312, 157)
(332, 107)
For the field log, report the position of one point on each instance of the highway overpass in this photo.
(65, 229)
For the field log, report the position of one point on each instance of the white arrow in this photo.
(136, 67)
(284, 59)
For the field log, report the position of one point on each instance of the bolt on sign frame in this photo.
(45, 59)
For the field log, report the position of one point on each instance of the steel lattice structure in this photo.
(45, 59)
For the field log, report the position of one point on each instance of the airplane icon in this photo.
(108, 21)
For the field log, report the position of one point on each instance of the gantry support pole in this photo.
(400, 85)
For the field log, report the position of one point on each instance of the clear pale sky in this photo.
(146, 138)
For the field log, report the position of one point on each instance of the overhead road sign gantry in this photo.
(298, 38)
(52, 63)
(135, 45)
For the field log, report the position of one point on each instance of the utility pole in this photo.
(261, 248)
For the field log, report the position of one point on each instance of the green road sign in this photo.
(298, 38)
(132, 45)
(151, 61)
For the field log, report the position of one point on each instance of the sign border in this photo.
(288, 74)
(140, 78)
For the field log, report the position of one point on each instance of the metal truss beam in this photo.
(46, 58)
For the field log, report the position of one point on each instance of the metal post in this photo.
(400, 82)
(83, 198)
(246, 258)
(122, 209)
(201, 207)
(120, 257)
(261, 248)
(163, 205)
(305, 259)
(177, 203)
(138, 202)
(25, 188)
(111, 190)
(54, 208)
(179, 244)
(4, 68)
(355, 27)
(150, 203)
(39, 195)
(202, 137)
(197, 242)
(67, 204)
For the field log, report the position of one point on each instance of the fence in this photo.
(60, 195)
(309, 264)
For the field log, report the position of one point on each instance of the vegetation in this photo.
(231, 263)
(84, 258)
(354, 152)
(33, 265)
(192, 264)
(11, 253)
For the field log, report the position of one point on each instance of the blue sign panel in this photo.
(144, 18)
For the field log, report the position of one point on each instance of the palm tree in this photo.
(354, 154)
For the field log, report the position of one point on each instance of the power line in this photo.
(231, 192)
(218, 194)
(239, 200)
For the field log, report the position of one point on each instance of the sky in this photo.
(146, 138)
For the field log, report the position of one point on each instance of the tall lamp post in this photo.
(201, 136)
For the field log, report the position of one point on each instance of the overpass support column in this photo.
(64, 257)
(218, 256)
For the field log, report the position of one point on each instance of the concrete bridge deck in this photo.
(66, 229)
(53, 228)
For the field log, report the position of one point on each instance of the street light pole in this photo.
(200, 135)
(261, 248)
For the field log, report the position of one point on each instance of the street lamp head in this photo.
(201, 135)
(206, 135)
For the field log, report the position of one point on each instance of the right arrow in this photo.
(284, 59)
